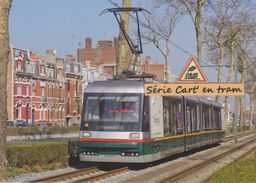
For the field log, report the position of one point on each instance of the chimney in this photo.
(88, 42)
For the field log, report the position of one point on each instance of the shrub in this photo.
(39, 153)
(37, 130)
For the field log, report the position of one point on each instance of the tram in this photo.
(120, 124)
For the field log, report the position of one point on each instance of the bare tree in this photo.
(228, 29)
(215, 37)
(194, 9)
(250, 85)
(5, 6)
(158, 29)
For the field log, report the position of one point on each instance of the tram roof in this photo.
(116, 86)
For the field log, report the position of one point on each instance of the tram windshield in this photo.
(112, 112)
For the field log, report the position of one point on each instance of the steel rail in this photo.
(243, 134)
(190, 170)
(69, 175)
(103, 175)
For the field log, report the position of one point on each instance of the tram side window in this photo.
(195, 119)
(188, 118)
(173, 118)
(192, 119)
(206, 117)
(166, 111)
(173, 112)
(176, 116)
(179, 117)
(216, 118)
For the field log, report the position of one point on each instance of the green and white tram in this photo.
(121, 124)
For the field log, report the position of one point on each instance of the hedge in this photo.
(38, 130)
(39, 153)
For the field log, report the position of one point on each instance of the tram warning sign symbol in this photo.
(192, 72)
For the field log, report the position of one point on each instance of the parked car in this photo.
(21, 123)
(9, 123)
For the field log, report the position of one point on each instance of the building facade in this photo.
(42, 92)
(104, 54)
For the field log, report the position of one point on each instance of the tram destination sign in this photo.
(189, 89)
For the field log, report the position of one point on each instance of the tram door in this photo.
(156, 122)
(188, 127)
(156, 116)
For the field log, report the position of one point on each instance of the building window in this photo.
(33, 90)
(52, 91)
(68, 85)
(68, 109)
(59, 74)
(19, 89)
(32, 69)
(76, 88)
(60, 92)
(50, 72)
(27, 90)
(19, 66)
(42, 70)
(75, 69)
(42, 92)
(18, 112)
(67, 67)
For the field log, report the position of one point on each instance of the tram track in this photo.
(189, 173)
(200, 166)
(94, 173)
(243, 134)
(83, 175)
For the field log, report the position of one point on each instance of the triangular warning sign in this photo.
(192, 72)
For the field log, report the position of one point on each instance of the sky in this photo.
(61, 24)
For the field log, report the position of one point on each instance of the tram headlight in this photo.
(86, 134)
(134, 135)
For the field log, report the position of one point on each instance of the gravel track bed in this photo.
(33, 176)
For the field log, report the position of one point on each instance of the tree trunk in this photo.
(198, 20)
(5, 56)
(220, 68)
(167, 77)
(252, 104)
(123, 48)
(227, 99)
(241, 98)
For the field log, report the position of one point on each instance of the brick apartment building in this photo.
(73, 92)
(148, 67)
(106, 55)
(47, 92)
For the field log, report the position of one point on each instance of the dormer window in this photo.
(60, 74)
(75, 69)
(50, 72)
(42, 70)
(67, 67)
(19, 66)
